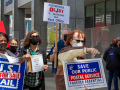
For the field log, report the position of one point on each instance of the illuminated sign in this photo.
(9, 2)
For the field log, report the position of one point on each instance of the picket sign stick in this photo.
(55, 58)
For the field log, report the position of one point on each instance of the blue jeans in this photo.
(113, 75)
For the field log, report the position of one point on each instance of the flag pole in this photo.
(55, 58)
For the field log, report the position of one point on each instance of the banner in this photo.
(11, 75)
(56, 13)
(88, 72)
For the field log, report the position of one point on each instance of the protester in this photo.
(32, 81)
(21, 45)
(112, 59)
(118, 43)
(76, 50)
(13, 46)
(4, 39)
(61, 44)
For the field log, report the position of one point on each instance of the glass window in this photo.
(99, 14)
(118, 11)
(110, 12)
(89, 16)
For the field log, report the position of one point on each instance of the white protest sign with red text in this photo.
(88, 72)
(56, 13)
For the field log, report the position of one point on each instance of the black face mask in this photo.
(34, 41)
(13, 48)
(3, 46)
(65, 37)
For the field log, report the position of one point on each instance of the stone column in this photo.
(76, 13)
(4, 18)
(37, 20)
(18, 21)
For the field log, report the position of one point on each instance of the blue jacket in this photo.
(60, 45)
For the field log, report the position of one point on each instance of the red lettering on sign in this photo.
(84, 76)
(57, 11)
(51, 9)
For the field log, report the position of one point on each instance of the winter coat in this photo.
(67, 54)
(112, 57)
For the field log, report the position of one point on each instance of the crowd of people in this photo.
(71, 47)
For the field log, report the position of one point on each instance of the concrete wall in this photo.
(23, 2)
(8, 8)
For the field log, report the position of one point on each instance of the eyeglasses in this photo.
(37, 36)
(77, 40)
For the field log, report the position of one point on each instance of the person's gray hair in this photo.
(118, 38)
(21, 40)
(13, 39)
(66, 28)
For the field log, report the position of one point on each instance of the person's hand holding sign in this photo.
(27, 56)
(93, 51)
(86, 88)
(45, 67)
(54, 50)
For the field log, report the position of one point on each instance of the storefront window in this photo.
(89, 16)
(110, 12)
(99, 14)
(118, 12)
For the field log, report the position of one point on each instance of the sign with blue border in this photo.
(88, 72)
(11, 75)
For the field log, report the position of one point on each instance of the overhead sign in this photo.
(56, 13)
(11, 75)
(87, 72)
(9, 2)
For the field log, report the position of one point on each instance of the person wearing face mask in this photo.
(75, 50)
(60, 44)
(21, 45)
(32, 81)
(13, 46)
(3, 45)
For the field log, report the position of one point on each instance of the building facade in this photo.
(22, 9)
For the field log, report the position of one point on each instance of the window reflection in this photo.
(89, 16)
(99, 14)
(110, 12)
(118, 12)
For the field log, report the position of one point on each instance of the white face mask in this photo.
(77, 44)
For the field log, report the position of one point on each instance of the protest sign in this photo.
(36, 63)
(11, 75)
(88, 72)
(56, 13)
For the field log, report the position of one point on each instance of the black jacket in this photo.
(112, 57)
(23, 51)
